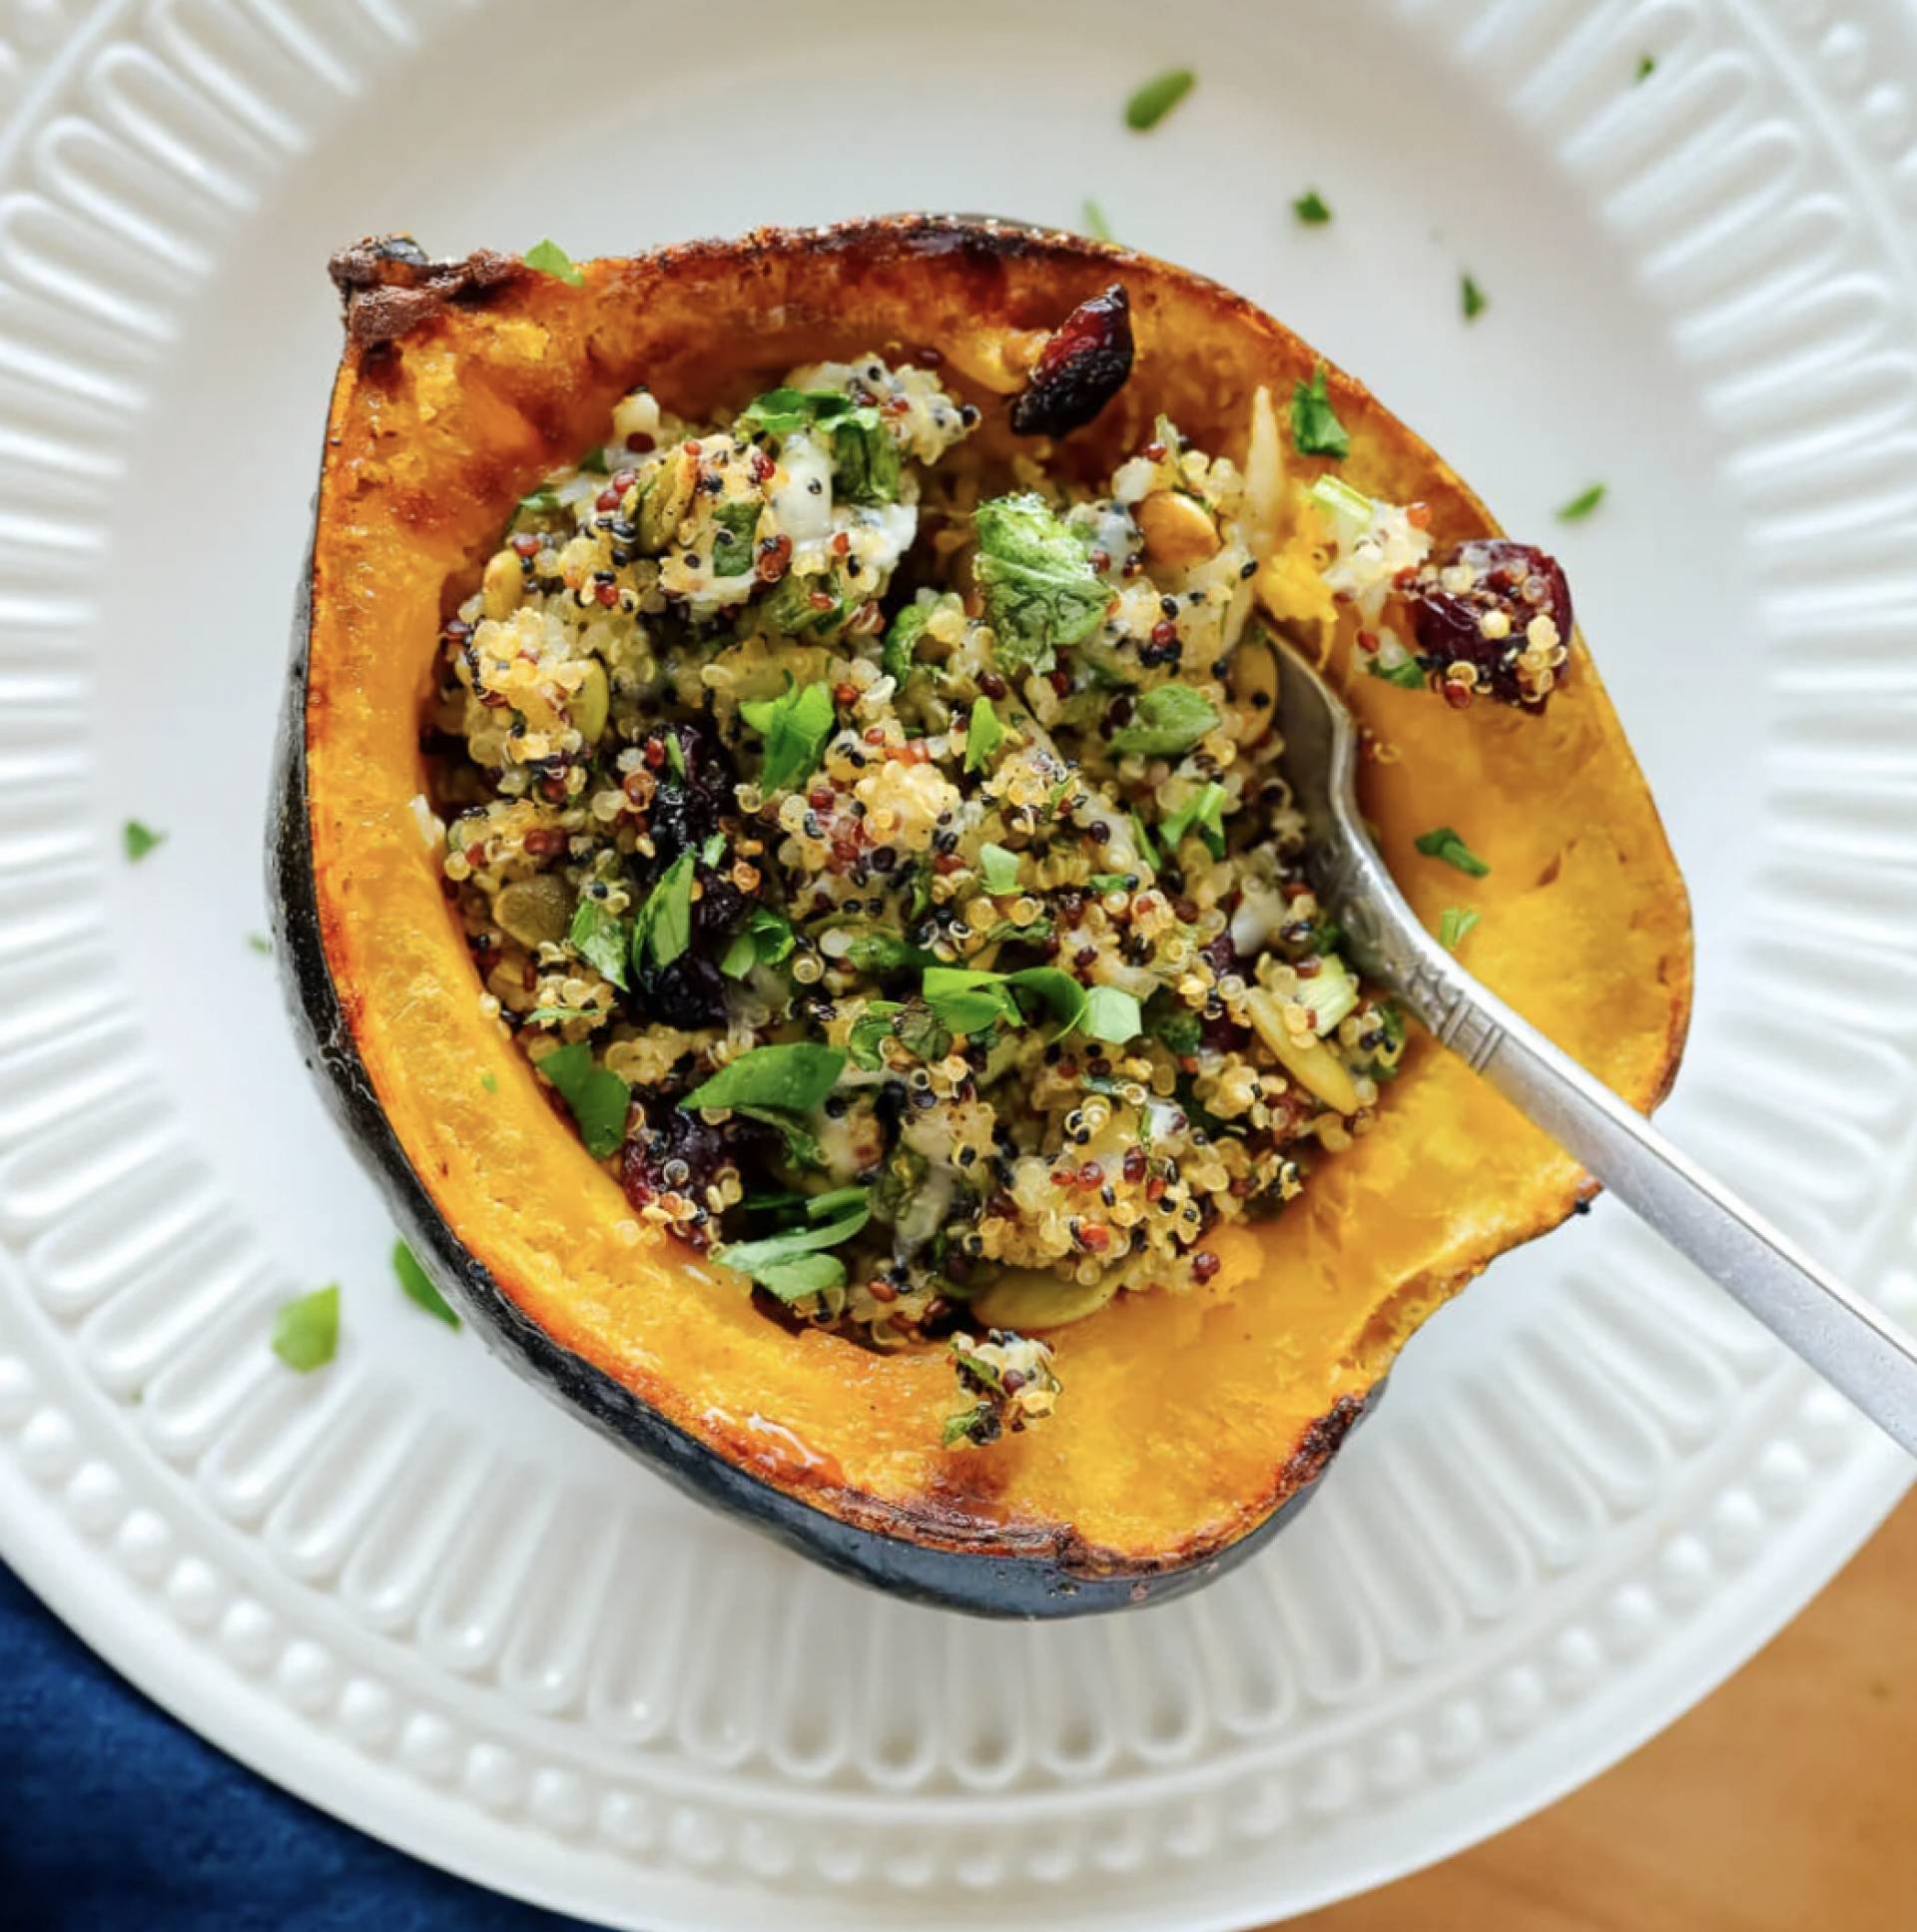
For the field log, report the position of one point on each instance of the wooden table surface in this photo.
(1785, 1802)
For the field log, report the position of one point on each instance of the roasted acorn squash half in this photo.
(1196, 1422)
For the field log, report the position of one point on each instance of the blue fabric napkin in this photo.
(115, 1818)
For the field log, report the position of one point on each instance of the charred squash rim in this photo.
(931, 1548)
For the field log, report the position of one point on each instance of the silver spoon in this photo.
(1848, 1342)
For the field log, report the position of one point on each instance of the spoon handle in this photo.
(1855, 1347)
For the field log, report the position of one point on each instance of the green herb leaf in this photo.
(1112, 1014)
(548, 258)
(805, 1274)
(713, 851)
(601, 938)
(734, 524)
(1453, 924)
(1142, 838)
(305, 1330)
(763, 939)
(779, 412)
(869, 1034)
(1336, 496)
(796, 726)
(1150, 103)
(902, 640)
(1646, 67)
(1204, 812)
(140, 840)
(1165, 722)
(866, 462)
(663, 926)
(1036, 575)
(821, 1207)
(1310, 209)
(776, 1250)
(1111, 882)
(984, 734)
(594, 464)
(1445, 843)
(797, 1076)
(676, 756)
(419, 1285)
(1580, 505)
(489, 1081)
(1406, 673)
(1173, 1024)
(1000, 869)
(802, 1148)
(1471, 297)
(1094, 221)
(260, 944)
(597, 1097)
(1315, 428)
(963, 1000)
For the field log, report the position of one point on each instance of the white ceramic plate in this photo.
(408, 1588)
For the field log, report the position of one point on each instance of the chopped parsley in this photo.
(1000, 869)
(140, 840)
(1646, 67)
(1094, 222)
(902, 640)
(1406, 673)
(1150, 103)
(1315, 428)
(765, 939)
(1165, 722)
(1471, 297)
(305, 1330)
(1036, 575)
(795, 1076)
(1204, 813)
(796, 726)
(597, 1097)
(984, 735)
(663, 927)
(1453, 924)
(1445, 843)
(260, 944)
(1310, 209)
(770, 1259)
(419, 1287)
(548, 258)
(1580, 505)
(601, 938)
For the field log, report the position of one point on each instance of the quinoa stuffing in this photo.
(882, 856)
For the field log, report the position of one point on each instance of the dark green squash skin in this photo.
(980, 1584)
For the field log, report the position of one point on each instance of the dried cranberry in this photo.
(685, 811)
(689, 992)
(1511, 583)
(1219, 955)
(667, 1138)
(1081, 369)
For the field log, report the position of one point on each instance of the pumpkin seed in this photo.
(1028, 1298)
(591, 702)
(535, 911)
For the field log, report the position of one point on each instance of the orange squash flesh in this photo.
(1188, 1419)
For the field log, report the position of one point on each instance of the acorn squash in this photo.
(1198, 1421)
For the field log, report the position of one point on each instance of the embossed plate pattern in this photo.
(408, 1588)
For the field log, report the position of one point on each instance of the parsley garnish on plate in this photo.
(1150, 103)
(1646, 67)
(1315, 428)
(305, 1330)
(1000, 869)
(1445, 843)
(1094, 221)
(1453, 924)
(601, 938)
(419, 1285)
(1471, 297)
(1310, 209)
(548, 258)
(140, 840)
(1580, 505)
(260, 944)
